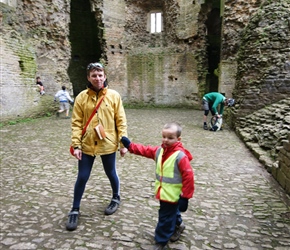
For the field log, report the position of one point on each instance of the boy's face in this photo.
(97, 78)
(169, 136)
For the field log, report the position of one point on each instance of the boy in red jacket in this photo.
(174, 183)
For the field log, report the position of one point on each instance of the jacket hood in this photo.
(177, 146)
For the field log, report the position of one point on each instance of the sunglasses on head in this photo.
(95, 65)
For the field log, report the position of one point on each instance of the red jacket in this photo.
(184, 166)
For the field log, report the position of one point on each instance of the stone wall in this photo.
(260, 54)
(281, 170)
(34, 42)
(236, 16)
(266, 132)
(173, 63)
(162, 69)
(263, 75)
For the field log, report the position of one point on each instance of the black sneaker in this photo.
(72, 222)
(205, 127)
(113, 206)
(160, 247)
(178, 230)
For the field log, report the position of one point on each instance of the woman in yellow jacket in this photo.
(111, 116)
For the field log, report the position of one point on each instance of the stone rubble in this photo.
(237, 204)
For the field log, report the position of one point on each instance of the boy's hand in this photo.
(123, 151)
(182, 204)
(126, 142)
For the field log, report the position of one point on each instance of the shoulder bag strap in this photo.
(92, 115)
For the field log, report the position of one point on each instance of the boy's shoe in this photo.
(160, 247)
(57, 114)
(72, 222)
(205, 127)
(178, 230)
(113, 206)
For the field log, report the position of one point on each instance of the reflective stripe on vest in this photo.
(168, 177)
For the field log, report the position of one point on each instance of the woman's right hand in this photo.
(78, 154)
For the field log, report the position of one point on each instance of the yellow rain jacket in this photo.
(111, 115)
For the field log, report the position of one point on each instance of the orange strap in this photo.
(92, 115)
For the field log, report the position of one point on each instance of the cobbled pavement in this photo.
(236, 204)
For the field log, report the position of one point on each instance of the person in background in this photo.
(64, 101)
(111, 115)
(40, 85)
(174, 184)
(215, 103)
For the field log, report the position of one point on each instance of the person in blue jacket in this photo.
(215, 103)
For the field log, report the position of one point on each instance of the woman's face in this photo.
(97, 79)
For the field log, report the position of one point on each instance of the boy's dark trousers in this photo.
(168, 217)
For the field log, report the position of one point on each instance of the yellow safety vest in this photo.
(168, 177)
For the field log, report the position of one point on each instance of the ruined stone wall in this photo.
(167, 68)
(265, 130)
(236, 16)
(34, 42)
(281, 171)
(255, 68)
(266, 133)
(263, 59)
(161, 69)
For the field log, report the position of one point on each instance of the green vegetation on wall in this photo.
(156, 77)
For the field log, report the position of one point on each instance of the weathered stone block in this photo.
(281, 178)
(285, 169)
(286, 146)
(287, 185)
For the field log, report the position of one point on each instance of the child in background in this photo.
(40, 86)
(64, 101)
(174, 184)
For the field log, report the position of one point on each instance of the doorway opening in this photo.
(213, 24)
(85, 38)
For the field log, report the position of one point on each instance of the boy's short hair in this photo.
(63, 87)
(174, 124)
(95, 66)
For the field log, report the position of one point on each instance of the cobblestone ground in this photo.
(236, 204)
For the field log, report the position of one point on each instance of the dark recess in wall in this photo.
(213, 25)
(85, 44)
